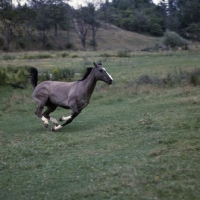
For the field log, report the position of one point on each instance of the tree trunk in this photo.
(56, 29)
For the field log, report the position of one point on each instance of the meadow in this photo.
(135, 140)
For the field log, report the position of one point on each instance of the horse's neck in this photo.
(90, 83)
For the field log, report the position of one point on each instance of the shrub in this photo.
(69, 45)
(124, 53)
(74, 56)
(1, 42)
(64, 54)
(49, 46)
(21, 43)
(192, 31)
(8, 57)
(39, 56)
(174, 39)
(171, 80)
(44, 56)
(15, 76)
(3, 77)
(156, 30)
(106, 55)
(57, 74)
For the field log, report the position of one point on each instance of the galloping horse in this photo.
(69, 95)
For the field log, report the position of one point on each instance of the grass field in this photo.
(131, 142)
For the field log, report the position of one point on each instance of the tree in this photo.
(80, 25)
(58, 15)
(91, 19)
(134, 15)
(10, 20)
(85, 20)
(184, 17)
(141, 22)
(104, 12)
(42, 21)
(50, 13)
(27, 15)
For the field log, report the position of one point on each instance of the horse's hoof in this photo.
(60, 119)
(46, 125)
(53, 129)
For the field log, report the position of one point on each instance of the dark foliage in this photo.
(34, 22)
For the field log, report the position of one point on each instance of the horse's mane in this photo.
(88, 70)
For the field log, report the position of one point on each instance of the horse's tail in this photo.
(33, 76)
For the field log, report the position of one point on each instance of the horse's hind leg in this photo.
(38, 112)
(50, 109)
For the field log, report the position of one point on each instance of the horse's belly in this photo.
(59, 99)
(63, 106)
(81, 104)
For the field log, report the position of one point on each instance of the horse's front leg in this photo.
(81, 104)
(70, 118)
(63, 118)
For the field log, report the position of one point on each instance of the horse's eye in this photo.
(101, 70)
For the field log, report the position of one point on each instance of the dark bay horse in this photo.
(69, 95)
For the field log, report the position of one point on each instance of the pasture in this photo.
(133, 141)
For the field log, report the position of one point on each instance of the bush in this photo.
(69, 46)
(15, 76)
(124, 53)
(156, 30)
(21, 43)
(3, 77)
(106, 55)
(49, 46)
(74, 56)
(1, 42)
(8, 57)
(44, 56)
(174, 39)
(171, 80)
(192, 31)
(64, 55)
(57, 74)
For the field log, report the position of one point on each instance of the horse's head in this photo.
(101, 73)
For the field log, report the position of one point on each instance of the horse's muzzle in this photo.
(110, 82)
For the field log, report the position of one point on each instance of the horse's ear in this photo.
(95, 65)
(99, 63)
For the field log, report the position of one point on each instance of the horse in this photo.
(68, 95)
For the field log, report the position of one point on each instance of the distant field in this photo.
(133, 141)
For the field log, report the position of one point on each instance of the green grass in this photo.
(127, 144)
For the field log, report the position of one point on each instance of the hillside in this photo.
(108, 38)
(114, 38)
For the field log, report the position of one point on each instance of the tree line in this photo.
(31, 24)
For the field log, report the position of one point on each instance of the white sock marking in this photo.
(57, 127)
(53, 120)
(66, 118)
(45, 120)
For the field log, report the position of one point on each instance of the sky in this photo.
(79, 2)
